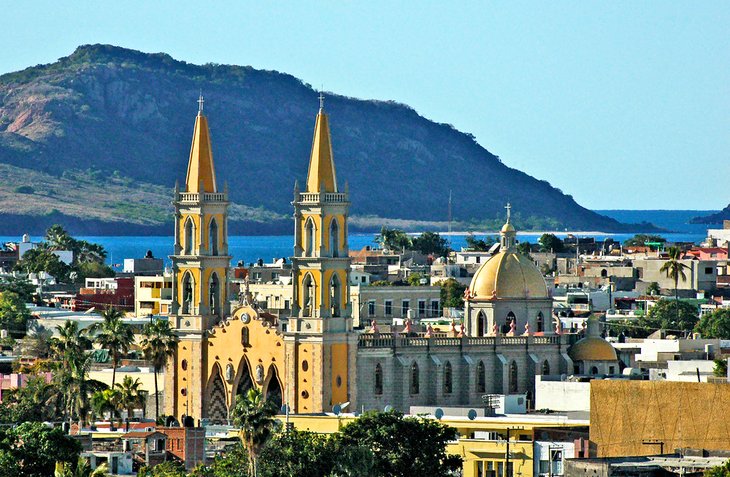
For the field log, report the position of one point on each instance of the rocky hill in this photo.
(713, 219)
(97, 139)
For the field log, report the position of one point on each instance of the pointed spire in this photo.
(321, 176)
(201, 172)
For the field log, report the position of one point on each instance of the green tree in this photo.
(158, 344)
(86, 270)
(524, 248)
(130, 396)
(414, 279)
(13, 314)
(20, 286)
(674, 269)
(255, 416)
(233, 462)
(653, 288)
(676, 316)
(477, 245)
(41, 259)
(300, 453)
(431, 243)
(452, 293)
(166, 469)
(403, 446)
(715, 324)
(550, 243)
(720, 368)
(641, 240)
(114, 335)
(82, 469)
(393, 239)
(37, 401)
(34, 448)
(103, 401)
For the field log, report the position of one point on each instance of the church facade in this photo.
(317, 360)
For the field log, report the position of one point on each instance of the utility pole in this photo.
(507, 470)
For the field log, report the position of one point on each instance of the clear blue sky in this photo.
(621, 104)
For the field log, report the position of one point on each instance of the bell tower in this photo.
(320, 342)
(200, 273)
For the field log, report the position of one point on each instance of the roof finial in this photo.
(200, 103)
(509, 211)
(321, 101)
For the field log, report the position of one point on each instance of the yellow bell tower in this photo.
(200, 274)
(320, 342)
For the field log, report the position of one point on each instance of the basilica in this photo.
(316, 360)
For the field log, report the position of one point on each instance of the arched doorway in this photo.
(244, 382)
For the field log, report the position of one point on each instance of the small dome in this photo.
(592, 348)
(508, 228)
(508, 274)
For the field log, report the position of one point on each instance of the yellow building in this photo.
(482, 442)
(152, 295)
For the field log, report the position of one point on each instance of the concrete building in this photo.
(701, 275)
(152, 295)
(147, 266)
(394, 304)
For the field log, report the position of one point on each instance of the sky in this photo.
(622, 104)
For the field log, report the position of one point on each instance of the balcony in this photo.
(325, 198)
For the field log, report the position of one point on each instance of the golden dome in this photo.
(592, 348)
(508, 228)
(508, 274)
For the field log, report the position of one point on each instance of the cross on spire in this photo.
(509, 211)
(200, 103)
(321, 101)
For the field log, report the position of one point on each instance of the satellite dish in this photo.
(344, 405)
(388, 408)
(439, 413)
(337, 409)
(472, 414)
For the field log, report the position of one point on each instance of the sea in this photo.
(246, 249)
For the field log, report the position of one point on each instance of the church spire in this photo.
(508, 234)
(321, 176)
(201, 172)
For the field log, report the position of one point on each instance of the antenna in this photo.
(449, 211)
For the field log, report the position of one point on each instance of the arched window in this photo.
(335, 238)
(594, 370)
(188, 247)
(545, 368)
(513, 377)
(508, 322)
(214, 294)
(481, 324)
(245, 336)
(481, 378)
(335, 291)
(448, 385)
(213, 237)
(415, 384)
(604, 273)
(540, 322)
(309, 238)
(308, 289)
(378, 379)
(187, 289)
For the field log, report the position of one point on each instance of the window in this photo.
(481, 324)
(308, 303)
(335, 238)
(378, 379)
(421, 308)
(187, 294)
(388, 307)
(447, 378)
(415, 385)
(594, 370)
(556, 461)
(335, 292)
(244, 336)
(213, 237)
(481, 378)
(257, 276)
(189, 233)
(214, 298)
(371, 308)
(611, 370)
(434, 308)
(540, 322)
(708, 270)
(513, 377)
(405, 306)
(545, 368)
(309, 238)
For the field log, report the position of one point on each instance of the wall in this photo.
(562, 395)
(625, 414)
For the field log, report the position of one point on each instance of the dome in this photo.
(508, 228)
(592, 348)
(508, 274)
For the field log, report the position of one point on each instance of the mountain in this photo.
(97, 140)
(716, 218)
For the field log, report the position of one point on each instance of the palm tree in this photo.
(83, 469)
(674, 269)
(105, 401)
(113, 334)
(130, 395)
(69, 351)
(158, 344)
(254, 415)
